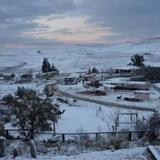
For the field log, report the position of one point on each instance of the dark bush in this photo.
(150, 73)
(8, 98)
(137, 60)
(25, 93)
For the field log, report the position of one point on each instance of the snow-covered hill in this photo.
(71, 58)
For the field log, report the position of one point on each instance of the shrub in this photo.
(95, 70)
(25, 93)
(137, 60)
(116, 141)
(26, 76)
(8, 99)
(141, 126)
(154, 128)
(150, 73)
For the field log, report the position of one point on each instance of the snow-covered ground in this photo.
(91, 117)
(79, 58)
(81, 115)
(11, 87)
(122, 154)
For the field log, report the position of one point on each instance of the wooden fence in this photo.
(130, 135)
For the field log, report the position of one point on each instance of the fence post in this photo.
(96, 136)
(63, 138)
(7, 134)
(130, 136)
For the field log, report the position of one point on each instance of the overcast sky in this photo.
(46, 23)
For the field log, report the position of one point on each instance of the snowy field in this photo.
(79, 58)
(89, 118)
(122, 154)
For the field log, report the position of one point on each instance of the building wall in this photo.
(142, 96)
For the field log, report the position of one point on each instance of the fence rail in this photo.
(129, 134)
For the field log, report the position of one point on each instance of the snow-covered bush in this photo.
(116, 141)
(40, 147)
(141, 126)
(25, 93)
(153, 132)
(101, 143)
(83, 139)
(152, 128)
(18, 148)
(8, 98)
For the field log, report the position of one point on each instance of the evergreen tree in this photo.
(53, 68)
(46, 67)
(95, 70)
(137, 60)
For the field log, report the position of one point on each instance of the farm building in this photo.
(130, 85)
(71, 79)
(142, 95)
(127, 70)
(88, 77)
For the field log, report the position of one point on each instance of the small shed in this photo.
(88, 77)
(72, 79)
(125, 69)
(142, 95)
(129, 85)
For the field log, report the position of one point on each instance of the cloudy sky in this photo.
(46, 23)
